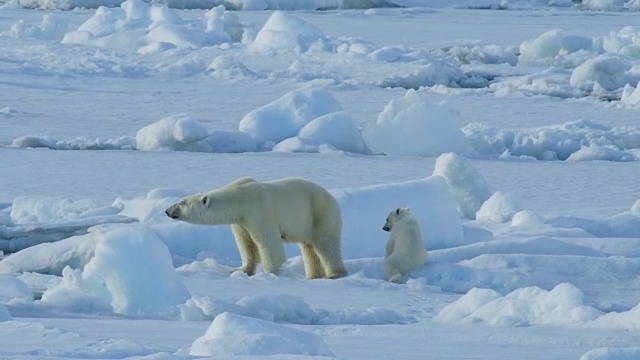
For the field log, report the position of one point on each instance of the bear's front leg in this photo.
(269, 243)
(247, 248)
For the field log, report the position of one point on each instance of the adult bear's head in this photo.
(226, 205)
(194, 209)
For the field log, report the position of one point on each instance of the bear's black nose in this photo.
(385, 228)
(170, 214)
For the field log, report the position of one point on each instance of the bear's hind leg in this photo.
(331, 258)
(247, 248)
(391, 271)
(312, 264)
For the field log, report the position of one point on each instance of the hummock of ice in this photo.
(131, 272)
(284, 31)
(528, 306)
(139, 25)
(632, 353)
(468, 186)
(499, 208)
(177, 132)
(233, 335)
(13, 290)
(285, 117)
(523, 307)
(411, 126)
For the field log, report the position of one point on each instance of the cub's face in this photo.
(191, 209)
(394, 216)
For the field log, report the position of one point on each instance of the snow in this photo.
(510, 132)
(231, 335)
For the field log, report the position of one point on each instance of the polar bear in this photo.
(265, 215)
(405, 250)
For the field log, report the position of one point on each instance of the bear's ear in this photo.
(205, 200)
(398, 211)
(406, 209)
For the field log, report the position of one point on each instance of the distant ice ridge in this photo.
(311, 120)
(562, 305)
(602, 62)
(580, 140)
(323, 4)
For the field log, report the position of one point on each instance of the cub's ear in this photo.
(205, 200)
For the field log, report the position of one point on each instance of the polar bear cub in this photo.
(265, 215)
(405, 250)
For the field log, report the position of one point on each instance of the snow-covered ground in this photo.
(510, 128)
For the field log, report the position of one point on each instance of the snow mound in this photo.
(227, 67)
(546, 45)
(431, 204)
(139, 25)
(556, 142)
(631, 95)
(612, 354)
(285, 117)
(498, 208)
(132, 272)
(411, 126)
(300, 144)
(467, 185)
(563, 305)
(51, 28)
(176, 132)
(233, 335)
(606, 71)
(336, 129)
(284, 31)
(13, 290)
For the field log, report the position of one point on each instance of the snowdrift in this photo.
(232, 335)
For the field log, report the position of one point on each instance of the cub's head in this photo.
(192, 209)
(394, 216)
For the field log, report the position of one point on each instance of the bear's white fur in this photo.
(264, 215)
(405, 250)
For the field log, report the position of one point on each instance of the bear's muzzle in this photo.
(172, 212)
